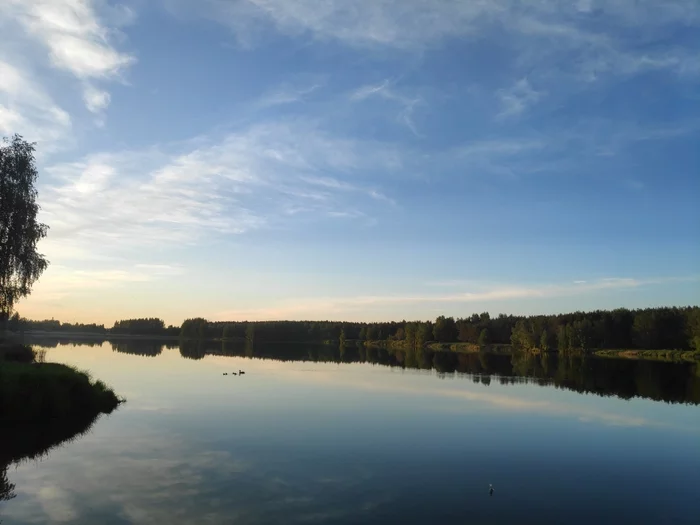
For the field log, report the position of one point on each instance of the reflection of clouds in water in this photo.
(485, 399)
(57, 504)
(161, 479)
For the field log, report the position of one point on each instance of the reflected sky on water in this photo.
(327, 442)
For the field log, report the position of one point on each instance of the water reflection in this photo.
(138, 347)
(344, 443)
(623, 378)
(31, 442)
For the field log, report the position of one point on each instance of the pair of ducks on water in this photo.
(240, 373)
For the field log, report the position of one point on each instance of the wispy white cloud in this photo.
(337, 307)
(533, 27)
(286, 95)
(385, 91)
(401, 24)
(26, 108)
(517, 99)
(96, 100)
(75, 38)
(506, 147)
(562, 151)
(246, 180)
(335, 184)
(506, 157)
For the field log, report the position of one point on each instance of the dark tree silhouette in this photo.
(20, 263)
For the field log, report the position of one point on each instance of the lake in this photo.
(314, 435)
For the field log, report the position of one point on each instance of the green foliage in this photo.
(650, 329)
(15, 323)
(35, 393)
(250, 333)
(146, 326)
(371, 332)
(693, 328)
(196, 328)
(20, 263)
(424, 333)
(16, 352)
(410, 334)
(522, 336)
(484, 338)
(445, 329)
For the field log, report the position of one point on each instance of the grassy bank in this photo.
(470, 348)
(463, 348)
(33, 392)
(652, 355)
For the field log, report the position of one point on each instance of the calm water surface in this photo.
(302, 441)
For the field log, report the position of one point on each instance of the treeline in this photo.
(142, 327)
(145, 326)
(19, 324)
(647, 329)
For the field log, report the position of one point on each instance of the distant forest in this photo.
(645, 329)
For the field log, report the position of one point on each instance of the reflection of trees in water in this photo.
(49, 341)
(22, 443)
(669, 382)
(138, 347)
(193, 349)
(7, 489)
(624, 378)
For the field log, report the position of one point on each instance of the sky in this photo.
(365, 160)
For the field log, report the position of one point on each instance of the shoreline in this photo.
(661, 355)
(34, 392)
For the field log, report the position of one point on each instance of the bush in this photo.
(32, 393)
(16, 352)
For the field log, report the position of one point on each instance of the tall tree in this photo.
(250, 333)
(20, 263)
(444, 329)
(484, 338)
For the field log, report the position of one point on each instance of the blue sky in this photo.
(385, 159)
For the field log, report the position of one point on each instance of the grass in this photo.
(39, 392)
(471, 348)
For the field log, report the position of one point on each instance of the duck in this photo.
(490, 489)
(234, 374)
(225, 373)
(241, 372)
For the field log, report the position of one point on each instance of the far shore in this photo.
(457, 347)
(103, 337)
